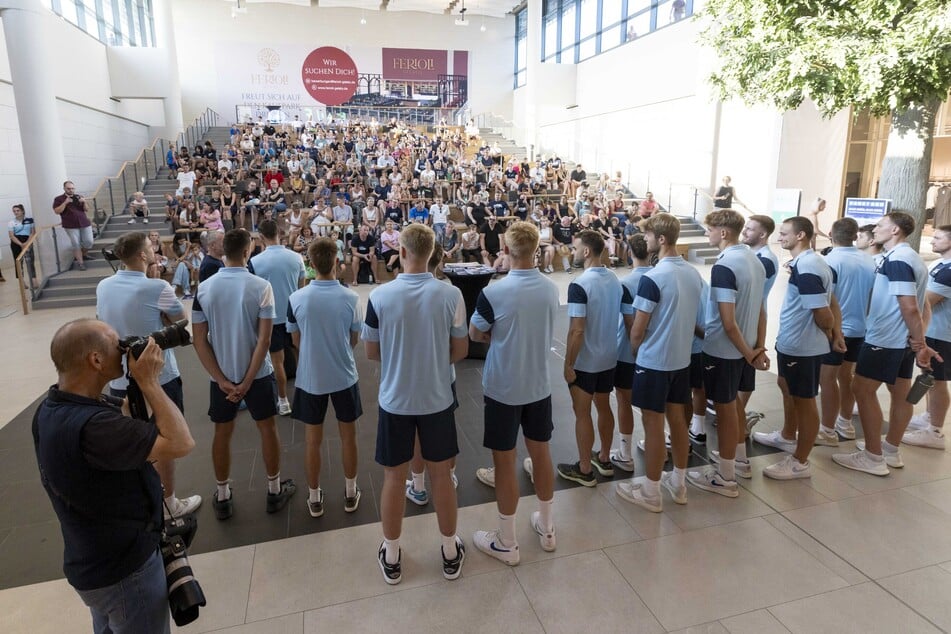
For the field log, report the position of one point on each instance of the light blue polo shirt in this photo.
(770, 266)
(598, 296)
(900, 273)
(630, 282)
(670, 293)
(520, 312)
(325, 313)
(133, 305)
(232, 302)
(854, 273)
(284, 269)
(696, 347)
(413, 317)
(939, 282)
(737, 277)
(810, 287)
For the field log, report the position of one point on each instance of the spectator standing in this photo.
(20, 230)
(72, 209)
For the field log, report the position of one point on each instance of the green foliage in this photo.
(880, 55)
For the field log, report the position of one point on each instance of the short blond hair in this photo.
(521, 238)
(418, 240)
(664, 225)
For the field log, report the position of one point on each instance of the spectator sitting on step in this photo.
(647, 207)
(138, 207)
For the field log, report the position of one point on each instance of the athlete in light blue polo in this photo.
(594, 301)
(516, 317)
(232, 317)
(284, 269)
(416, 327)
(135, 305)
(324, 320)
(666, 308)
(854, 273)
(894, 342)
(809, 320)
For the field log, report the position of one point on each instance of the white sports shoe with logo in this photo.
(788, 469)
(932, 438)
(490, 543)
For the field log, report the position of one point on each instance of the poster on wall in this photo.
(786, 204)
(867, 210)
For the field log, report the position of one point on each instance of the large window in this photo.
(112, 22)
(521, 47)
(575, 30)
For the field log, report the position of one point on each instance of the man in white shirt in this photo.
(439, 214)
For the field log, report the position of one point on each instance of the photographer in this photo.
(96, 466)
(72, 208)
(135, 306)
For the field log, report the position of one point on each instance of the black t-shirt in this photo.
(493, 236)
(478, 213)
(363, 247)
(727, 202)
(112, 441)
(209, 266)
(579, 176)
(500, 207)
(563, 234)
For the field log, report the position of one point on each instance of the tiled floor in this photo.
(842, 552)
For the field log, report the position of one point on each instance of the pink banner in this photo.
(412, 64)
(460, 63)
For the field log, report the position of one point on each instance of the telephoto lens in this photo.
(185, 595)
(172, 336)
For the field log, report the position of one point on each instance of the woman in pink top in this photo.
(390, 250)
(211, 219)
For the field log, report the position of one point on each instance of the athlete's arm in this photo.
(637, 328)
(257, 359)
(573, 343)
(207, 357)
(908, 304)
(732, 331)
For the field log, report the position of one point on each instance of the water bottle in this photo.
(920, 387)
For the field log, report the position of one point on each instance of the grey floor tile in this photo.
(290, 624)
(926, 590)
(757, 622)
(225, 578)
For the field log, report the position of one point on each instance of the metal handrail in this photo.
(27, 251)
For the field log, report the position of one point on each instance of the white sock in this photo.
(887, 447)
(651, 488)
(392, 547)
(351, 487)
(170, 499)
(314, 496)
(419, 483)
(696, 423)
(507, 529)
(544, 514)
(845, 422)
(626, 440)
(874, 456)
(801, 464)
(679, 477)
(828, 430)
(741, 452)
(224, 490)
(936, 430)
(282, 399)
(452, 472)
(727, 469)
(449, 550)
(274, 483)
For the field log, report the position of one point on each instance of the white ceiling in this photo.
(491, 8)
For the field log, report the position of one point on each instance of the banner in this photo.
(413, 64)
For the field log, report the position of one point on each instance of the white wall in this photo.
(200, 25)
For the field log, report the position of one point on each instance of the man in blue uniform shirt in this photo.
(324, 320)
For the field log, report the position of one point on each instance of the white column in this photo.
(165, 41)
(532, 75)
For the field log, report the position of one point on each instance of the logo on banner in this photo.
(330, 76)
(269, 59)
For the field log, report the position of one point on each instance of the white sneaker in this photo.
(751, 419)
(932, 437)
(529, 469)
(546, 538)
(145, 220)
(620, 462)
(774, 439)
(741, 467)
(710, 480)
(181, 507)
(861, 461)
(634, 493)
(920, 421)
(845, 428)
(892, 458)
(827, 438)
(489, 543)
(283, 407)
(131, 222)
(678, 495)
(788, 469)
(486, 475)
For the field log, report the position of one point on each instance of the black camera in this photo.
(172, 336)
(184, 592)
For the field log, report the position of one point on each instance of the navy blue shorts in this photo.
(851, 354)
(696, 371)
(261, 400)
(396, 437)
(172, 388)
(623, 375)
(311, 409)
(595, 382)
(721, 378)
(747, 378)
(884, 364)
(941, 371)
(654, 389)
(801, 374)
(502, 423)
(280, 338)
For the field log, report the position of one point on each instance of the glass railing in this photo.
(45, 254)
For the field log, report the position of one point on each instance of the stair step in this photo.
(77, 278)
(72, 290)
(64, 302)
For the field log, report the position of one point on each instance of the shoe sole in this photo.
(824, 442)
(926, 446)
(698, 440)
(485, 481)
(781, 447)
(868, 471)
(805, 475)
(638, 502)
(417, 502)
(577, 480)
(312, 514)
(356, 504)
(727, 493)
(605, 472)
(389, 581)
(623, 466)
(847, 435)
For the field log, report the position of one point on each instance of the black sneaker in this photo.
(604, 468)
(277, 501)
(572, 472)
(350, 504)
(452, 568)
(392, 573)
(224, 508)
(316, 509)
(700, 438)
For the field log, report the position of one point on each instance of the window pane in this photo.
(92, 22)
(551, 38)
(521, 54)
(568, 27)
(610, 13)
(639, 26)
(122, 23)
(589, 17)
(670, 12)
(636, 6)
(610, 38)
(69, 11)
(586, 49)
